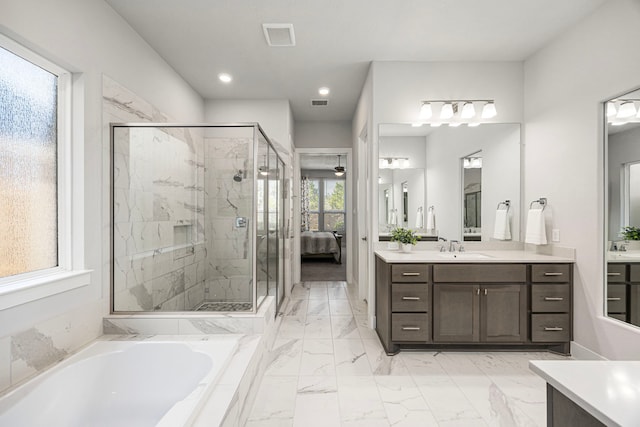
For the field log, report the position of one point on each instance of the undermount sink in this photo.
(627, 255)
(463, 255)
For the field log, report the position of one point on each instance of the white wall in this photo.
(565, 84)
(273, 115)
(323, 135)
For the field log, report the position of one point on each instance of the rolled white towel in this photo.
(502, 228)
(536, 230)
(419, 218)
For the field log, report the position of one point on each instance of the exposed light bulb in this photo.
(611, 109)
(425, 111)
(489, 110)
(468, 110)
(627, 109)
(447, 111)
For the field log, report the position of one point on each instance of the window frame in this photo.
(321, 200)
(69, 273)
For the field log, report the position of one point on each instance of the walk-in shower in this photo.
(196, 221)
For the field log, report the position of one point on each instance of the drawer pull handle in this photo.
(552, 274)
(614, 299)
(411, 298)
(410, 328)
(410, 274)
(553, 298)
(478, 291)
(614, 274)
(553, 328)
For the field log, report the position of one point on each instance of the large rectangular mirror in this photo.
(454, 178)
(622, 187)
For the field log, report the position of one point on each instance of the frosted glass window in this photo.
(28, 166)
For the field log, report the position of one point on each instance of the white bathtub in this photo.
(121, 383)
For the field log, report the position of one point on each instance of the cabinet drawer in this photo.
(616, 272)
(617, 298)
(634, 273)
(550, 298)
(410, 327)
(410, 273)
(410, 297)
(479, 273)
(551, 273)
(550, 327)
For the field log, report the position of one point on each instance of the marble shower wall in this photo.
(229, 264)
(158, 209)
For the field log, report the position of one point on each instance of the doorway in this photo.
(324, 233)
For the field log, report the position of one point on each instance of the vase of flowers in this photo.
(406, 237)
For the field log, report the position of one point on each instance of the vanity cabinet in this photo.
(473, 305)
(480, 312)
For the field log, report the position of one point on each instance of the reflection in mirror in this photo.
(622, 187)
(428, 159)
(472, 194)
(405, 204)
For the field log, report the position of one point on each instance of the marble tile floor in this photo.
(327, 368)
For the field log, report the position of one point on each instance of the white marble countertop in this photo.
(481, 256)
(608, 390)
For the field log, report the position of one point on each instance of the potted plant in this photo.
(405, 236)
(631, 233)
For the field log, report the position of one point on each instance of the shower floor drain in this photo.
(224, 306)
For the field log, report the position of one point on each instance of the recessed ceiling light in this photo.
(324, 91)
(225, 78)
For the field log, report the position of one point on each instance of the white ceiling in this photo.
(336, 40)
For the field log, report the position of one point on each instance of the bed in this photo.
(314, 244)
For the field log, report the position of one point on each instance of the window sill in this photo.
(34, 288)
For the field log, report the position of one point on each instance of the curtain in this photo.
(304, 203)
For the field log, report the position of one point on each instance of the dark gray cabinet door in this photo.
(456, 313)
(503, 313)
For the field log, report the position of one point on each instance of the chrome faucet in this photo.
(442, 248)
(452, 245)
(623, 247)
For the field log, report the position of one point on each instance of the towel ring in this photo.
(506, 203)
(542, 201)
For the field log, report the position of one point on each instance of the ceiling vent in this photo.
(279, 35)
(319, 102)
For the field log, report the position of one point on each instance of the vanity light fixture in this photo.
(225, 78)
(627, 109)
(468, 110)
(339, 170)
(449, 109)
(425, 111)
(393, 163)
(611, 109)
(489, 110)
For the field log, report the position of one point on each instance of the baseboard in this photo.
(580, 352)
